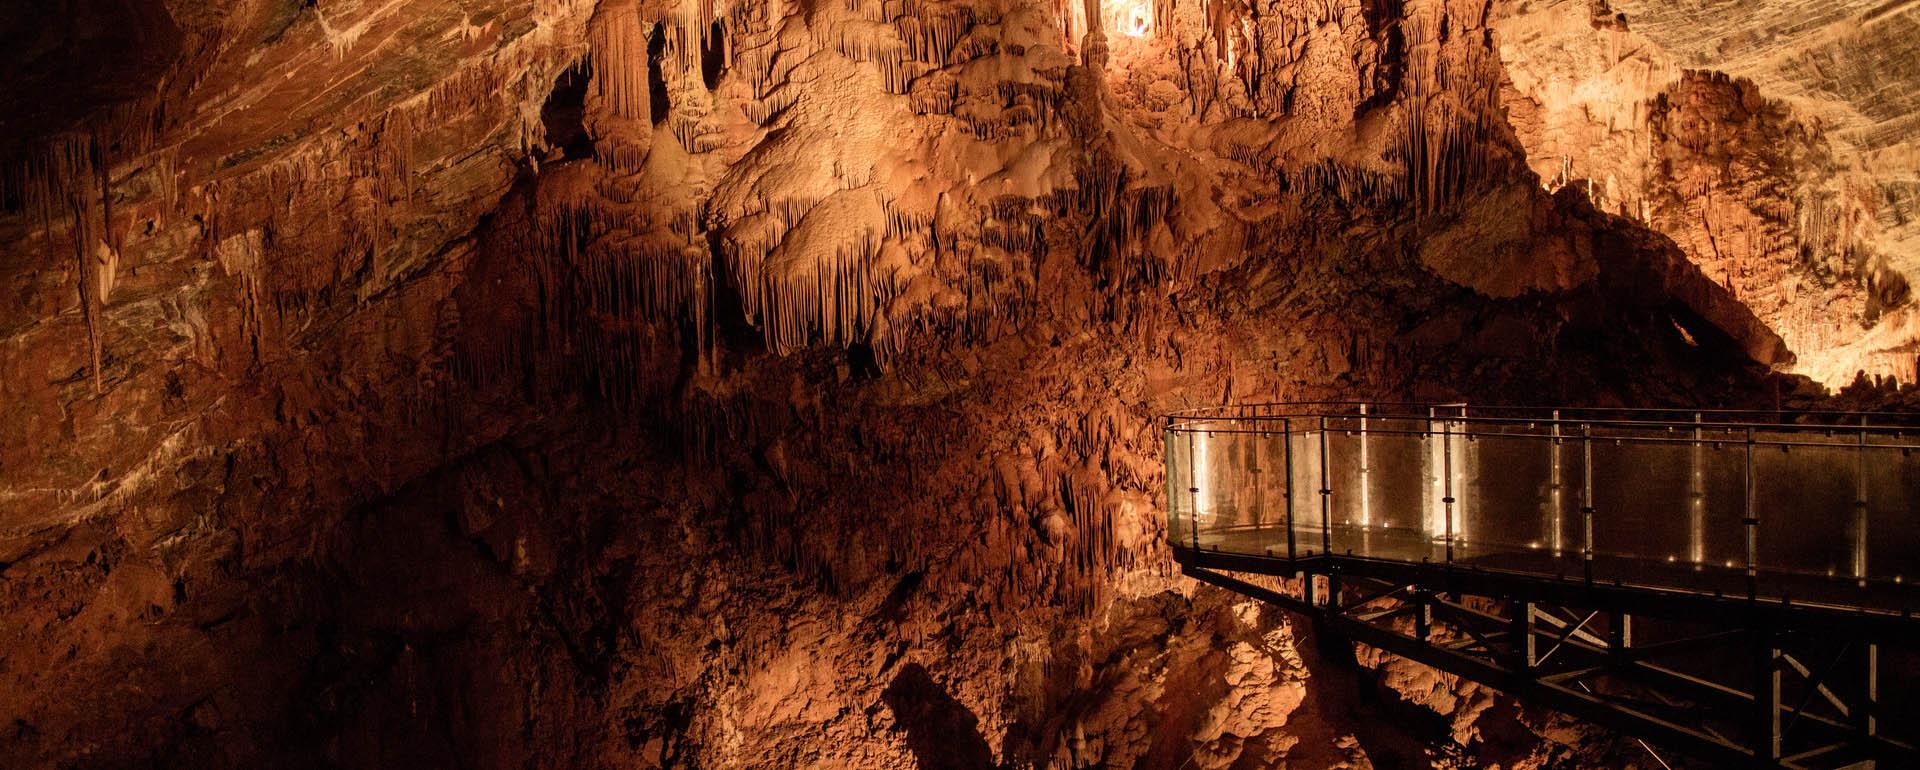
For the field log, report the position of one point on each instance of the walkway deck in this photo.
(1821, 512)
(1725, 583)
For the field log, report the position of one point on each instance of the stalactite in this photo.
(619, 42)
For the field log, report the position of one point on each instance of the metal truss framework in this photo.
(1740, 684)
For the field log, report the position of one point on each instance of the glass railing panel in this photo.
(1640, 492)
(1229, 486)
(1222, 501)
(1503, 482)
(1803, 497)
(1348, 448)
(1668, 507)
(1893, 513)
(1180, 488)
(1716, 508)
(1836, 508)
(1391, 505)
(1307, 479)
(1269, 480)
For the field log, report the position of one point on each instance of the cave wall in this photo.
(568, 383)
(1747, 133)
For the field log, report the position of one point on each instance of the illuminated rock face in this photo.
(1772, 141)
(576, 384)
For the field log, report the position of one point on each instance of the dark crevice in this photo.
(1383, 24)
(862, 361)
(732, 327)
(713, 51)
(564, 113)
(659, 105)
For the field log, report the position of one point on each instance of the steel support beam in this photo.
(1553, 654)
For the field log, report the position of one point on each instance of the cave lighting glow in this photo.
(1132, 18)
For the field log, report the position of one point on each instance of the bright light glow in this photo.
(1366, 474)
(1138, 21)
(1133, 18)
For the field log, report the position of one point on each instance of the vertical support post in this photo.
(1446, 474)
(1619, 633)
(1326, 495)
(1173, 494)
(1860, 509)
(1526, 653)
(1366, 472)
(1696, 498)
(1766, 696)
(1422, 614)
(1286, 436)
(1193, 492)
(1752, 522)
(1870, 695)
(1556, 489)
(1586, 499)
(1463, 462)
(1258, 471)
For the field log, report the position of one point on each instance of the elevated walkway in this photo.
(1769, 560)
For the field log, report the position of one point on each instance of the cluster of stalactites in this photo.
(834, 299)
(66, 183)
(367, 173)
(621, 61)
(1445, 159)
(848, 288)
(1073, 519)
(1442, 98)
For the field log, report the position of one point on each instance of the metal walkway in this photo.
(1734, 585)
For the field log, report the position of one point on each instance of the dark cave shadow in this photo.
(941, 732)
(1393, 733)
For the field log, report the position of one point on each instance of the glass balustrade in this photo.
(1817, 509)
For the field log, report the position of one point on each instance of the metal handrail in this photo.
(1850, 442)
(1451, 428)
(1912, 419)
(1188, 420)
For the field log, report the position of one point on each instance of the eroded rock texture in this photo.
(755, 384)
(1772, 141)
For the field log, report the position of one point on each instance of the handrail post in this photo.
(1752, 522)
(1869, 720)
(1446, 484)
(1286, 433)
(1257, 483)
(1586, 499)
(1767, 697)
(1696, 497)
(1556, 487)
(1169, 437)
(1193, 493)
(1860, 510)
(1366, 471)
(1326, 494)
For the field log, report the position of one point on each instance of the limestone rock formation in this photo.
(1772, 141)
(623, 383)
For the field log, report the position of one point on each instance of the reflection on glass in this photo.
(1698, 502)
